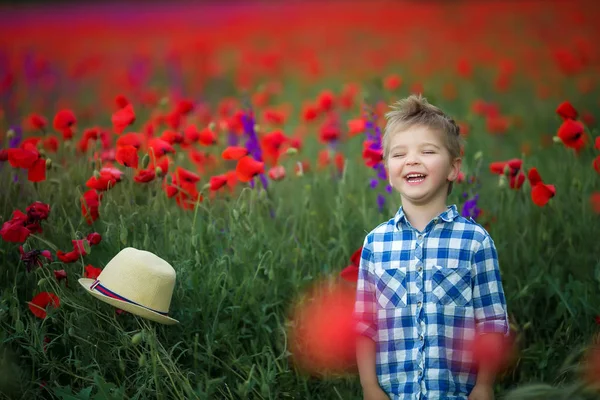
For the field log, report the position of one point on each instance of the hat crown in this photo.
(141, 277)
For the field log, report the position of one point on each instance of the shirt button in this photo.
(420, 269)
(420, 237)
(420, 372)
(421, 338)
(419, 304)
(435, 220)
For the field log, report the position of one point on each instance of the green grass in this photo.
(239, 271)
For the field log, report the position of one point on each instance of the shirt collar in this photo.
(449, 215)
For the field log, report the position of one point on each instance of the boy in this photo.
(428, 279)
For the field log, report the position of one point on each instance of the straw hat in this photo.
(136, 281)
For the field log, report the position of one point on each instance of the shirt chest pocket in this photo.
(451, 283)
(391, 288)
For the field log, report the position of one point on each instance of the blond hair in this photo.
(416, 110)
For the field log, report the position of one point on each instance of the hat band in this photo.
(109, 293)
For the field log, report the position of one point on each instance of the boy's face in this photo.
(421, 151)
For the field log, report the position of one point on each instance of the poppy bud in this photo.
(527, 325)
(19, 327)
(556, 139)
(506, 170)
(123, 236)
(10, 134)
(212, 126)
(122, 365)
(96, 174)
(142, 360)
(478, 155)
(67, 144)
(158, 171)
(71, 331)
(236, 214)
(291, 151)
(164, 101)
(577, 184)
(502, 181)
(145, 161)
(48, 163)
(41, 281)
(137, 338)
(256, 128)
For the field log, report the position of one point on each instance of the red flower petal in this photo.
(92, 272)
(355, 257)
(234, 153)
(596, 164)
(41, 301)
(566, 111)
(127, 156)
(217, 182)
(247, 167)
(123, 118)
(350, 273)
(542, 193)
(277, 173)
(534, 177)
(37, 173)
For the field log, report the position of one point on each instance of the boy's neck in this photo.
(420, 215)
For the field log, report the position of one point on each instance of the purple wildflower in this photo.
(470, 209)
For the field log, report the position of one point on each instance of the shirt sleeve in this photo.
(365, 307)
(489, 301)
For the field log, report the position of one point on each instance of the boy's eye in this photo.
(428, 152)
(397, 155)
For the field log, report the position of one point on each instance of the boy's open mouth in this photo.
(415, 179)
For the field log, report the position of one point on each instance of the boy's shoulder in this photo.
(459, 224)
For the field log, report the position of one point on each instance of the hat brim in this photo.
(132, 308)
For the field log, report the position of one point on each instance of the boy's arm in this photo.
(489, 302)
(365, 313)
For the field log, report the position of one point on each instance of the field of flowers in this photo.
(241, 143)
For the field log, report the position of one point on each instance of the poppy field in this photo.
(242, 144)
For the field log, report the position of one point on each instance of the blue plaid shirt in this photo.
(422, 296)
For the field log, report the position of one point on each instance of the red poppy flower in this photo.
(63, 122)
(23, 158)
(597, 143)
(41, 301)
(217, 182)
(329, 132)
(35, 122)
(60, 274)
(50, 144)
(145, 175)
(595, 202)
(566, 111)
(127, 156)
(542, 193)
(92, 272)
(94, 238)
(103, 183)
(271, 144)
(37, 173)
(572, 134)
(191, 134)
(184, 107)
(326, 100)
(172, 137)
(38, 210)
(596, 164)
(123, 118)
(159, 147)
(15, 230)
(207, 137)
(90, 202)
(130, 139)
(247, 168)
(274, 117)
(234, 153)
(350, 273)
(3, 155)
(355, 257)
(356, 126)
(372, 154)
(512, 167)
(115, 173)
(184, 175)
(392, 82)
(121, 101)
(309, 112)
(323, 335)
(277, 173)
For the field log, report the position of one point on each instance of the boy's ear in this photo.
(455, 170)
